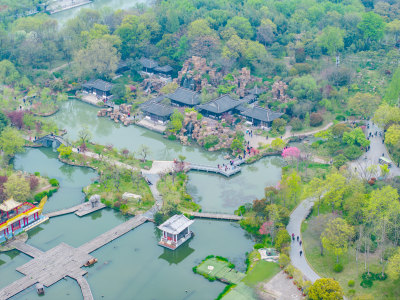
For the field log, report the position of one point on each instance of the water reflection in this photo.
(178, 255)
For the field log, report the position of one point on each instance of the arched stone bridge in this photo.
(51, 140)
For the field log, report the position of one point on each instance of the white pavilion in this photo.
(175, 231)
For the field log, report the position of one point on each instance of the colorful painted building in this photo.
(18, 217)
(175, 231)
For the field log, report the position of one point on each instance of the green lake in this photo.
(134, 266)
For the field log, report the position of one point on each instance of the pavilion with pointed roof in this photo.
(175, 231)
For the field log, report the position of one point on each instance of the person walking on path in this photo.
(293, 237)
(301, 252)
(297, 238)
(300, 243)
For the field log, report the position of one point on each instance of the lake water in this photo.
(65, 15)
(134, 266)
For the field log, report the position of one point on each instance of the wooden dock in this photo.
(230, 171)
(216, 216)
(27, 249)
(80, 210)
(85, 288)
(112, 234)
(16, 287)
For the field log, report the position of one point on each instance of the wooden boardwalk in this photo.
(230, 171)
(63, 211)
(85, 288)
(216, 216)
(27, 249)
(80, 210)
(16, 287)
(112, 234)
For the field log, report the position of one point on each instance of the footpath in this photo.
(294, 226)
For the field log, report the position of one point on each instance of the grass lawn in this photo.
(353, 269)
(263, 271)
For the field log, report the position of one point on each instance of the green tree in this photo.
(304, 88)
(325, 289)
(331, 39)
(372, 27)
(355, 137)
(11, 142)
(8, 72)
(291, 187)
(386, 115)
(236, 145)
(4, 121)
(336, 237)
(278, 144)
(393, 268)
(99, 58)
(279, 125)
(176, 122)
(200, 28)
(17, 187)
(393, 28)
(335, 187)
(242, 26)
(65, 151)
(363, 104)
(392, 136)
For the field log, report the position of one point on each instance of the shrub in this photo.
(172, 137)
(258, 246)
(296, 124)
(338, 268)
(368, 276)
(316, 119)
(54, 182)
(351, 283)
(339, 160)
(210, 141)
(366, 283)
(352, 152)
(352, 292)
(380, 276)
(282, 239)
(37, 173)
(340, 118)
(284, 260)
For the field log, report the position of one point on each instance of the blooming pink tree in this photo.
(292, 153)
(266, 227)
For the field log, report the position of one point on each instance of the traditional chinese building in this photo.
(216, 108)
(260, 116)
(18, 217)
(98, 87)
(175, 231)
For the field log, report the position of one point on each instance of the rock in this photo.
(129, 196)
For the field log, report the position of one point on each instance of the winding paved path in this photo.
(294, 226)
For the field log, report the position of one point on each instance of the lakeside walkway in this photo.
(216, 216)
(294, 226)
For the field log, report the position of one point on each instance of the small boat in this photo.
(40, 289)
(90, 262)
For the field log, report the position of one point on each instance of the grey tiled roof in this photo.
(148, 63)
(157, 109)
(261, 114)
(99, 84)
(185, 96)
(164, 69)
(220, 105)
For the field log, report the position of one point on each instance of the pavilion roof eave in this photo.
(172, 227)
